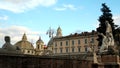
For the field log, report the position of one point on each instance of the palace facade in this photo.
(74, 43)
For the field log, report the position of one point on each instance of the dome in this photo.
(39, 40)
(24, 44)
(50, 42)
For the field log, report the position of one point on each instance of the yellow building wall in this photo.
(82, 44)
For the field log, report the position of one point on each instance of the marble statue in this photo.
(104, 45)
(8, 45)
(109, 34)
(108, 39)
(8, 48)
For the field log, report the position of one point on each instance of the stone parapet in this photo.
(32, 61)
(106, 59)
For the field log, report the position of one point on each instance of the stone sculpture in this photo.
(108, 40)
(8, 48)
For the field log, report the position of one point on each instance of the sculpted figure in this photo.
(108, 39)
(8, 46)
(104, 45)
(109, 34)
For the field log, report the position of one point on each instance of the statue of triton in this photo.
(108, 40)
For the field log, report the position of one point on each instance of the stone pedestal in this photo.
(108, 61)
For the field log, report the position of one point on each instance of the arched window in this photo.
(38, 46)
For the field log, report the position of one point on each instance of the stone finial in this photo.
(24, 38)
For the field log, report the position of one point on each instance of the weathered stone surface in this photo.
(110, 59)
(30, 61)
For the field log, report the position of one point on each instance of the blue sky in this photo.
(34, 17)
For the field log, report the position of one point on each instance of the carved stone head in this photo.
(7, 39)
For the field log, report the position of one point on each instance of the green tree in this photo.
(106, 16)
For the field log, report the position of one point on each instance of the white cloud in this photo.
(19, 6)
(60, 9)
(69, 6)
(117, 19)
(65, 7)
(4, 17)
(96, 24)
(16, 33)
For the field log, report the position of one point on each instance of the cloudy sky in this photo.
(34, 17)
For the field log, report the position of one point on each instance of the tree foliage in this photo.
(107, 16)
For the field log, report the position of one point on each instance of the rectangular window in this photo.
(85, 48)
(60, 50)
(66, 50)
(78, 49)
(55, 44)
(72, 42)
(85, 41)
(60, 43)
(55, 50)
(66, 43)
(92, 40)
(32, 52)
(78, 41)
(28, 51)
(72, 49)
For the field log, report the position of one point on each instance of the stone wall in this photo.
(28, 61)
(108, 61)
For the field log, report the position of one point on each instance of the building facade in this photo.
(61, 45)
(74, 43)
(39, 47)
